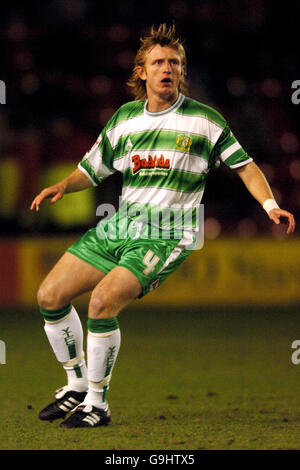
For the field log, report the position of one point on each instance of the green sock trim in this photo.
(77, 371)
(104, 393)
(54, 315)
(102, 325)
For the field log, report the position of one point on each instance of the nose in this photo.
(167, 67)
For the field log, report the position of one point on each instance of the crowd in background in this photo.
(65, 64)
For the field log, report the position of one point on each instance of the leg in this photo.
(69, 278)
(116, 290)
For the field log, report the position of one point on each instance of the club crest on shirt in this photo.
(150, 162)
(183, 143)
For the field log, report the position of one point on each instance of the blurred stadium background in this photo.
(65, 64)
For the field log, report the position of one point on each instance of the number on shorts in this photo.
(150, 260)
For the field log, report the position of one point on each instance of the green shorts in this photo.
(126, 243)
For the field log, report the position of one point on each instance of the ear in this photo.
(141, 72)
(182, 72)
(182, 76)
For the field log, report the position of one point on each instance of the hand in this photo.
(276, 214)
(57, 191)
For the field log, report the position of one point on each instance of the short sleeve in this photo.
(229, 151)
(96, 163)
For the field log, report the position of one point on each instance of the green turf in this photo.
(183, 380)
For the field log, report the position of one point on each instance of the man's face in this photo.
(162, 72)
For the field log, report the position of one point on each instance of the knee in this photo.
(50, 297)
(101, 306)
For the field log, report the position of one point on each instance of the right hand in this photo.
(56, 192)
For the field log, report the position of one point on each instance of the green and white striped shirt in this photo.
(165, 157)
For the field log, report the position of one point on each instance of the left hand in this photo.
(276, 214)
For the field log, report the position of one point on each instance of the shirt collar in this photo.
(165, 111)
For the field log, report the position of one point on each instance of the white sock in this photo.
(102, 351)
(66, 338)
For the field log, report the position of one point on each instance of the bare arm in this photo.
(255, 182)
(257, 185)
(76, 181)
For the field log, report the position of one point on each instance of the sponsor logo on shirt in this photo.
(150, 162)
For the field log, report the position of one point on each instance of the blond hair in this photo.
(164, 36)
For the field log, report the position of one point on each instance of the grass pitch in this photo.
(183, 380)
